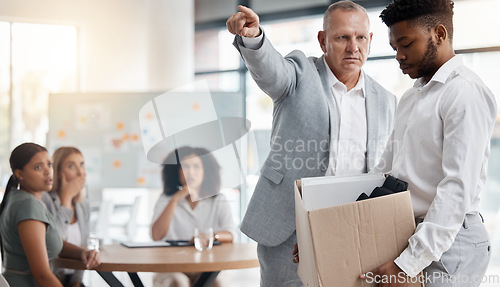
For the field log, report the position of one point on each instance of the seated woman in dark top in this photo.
(29, 236)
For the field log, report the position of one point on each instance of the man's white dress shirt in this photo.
(348, 146)
(440, 146)
(348, 153)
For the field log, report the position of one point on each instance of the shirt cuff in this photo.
(253, 43)
(410, 264)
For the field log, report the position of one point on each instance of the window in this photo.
(215, 51)
(35, 60)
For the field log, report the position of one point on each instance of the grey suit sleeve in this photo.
(276, 75)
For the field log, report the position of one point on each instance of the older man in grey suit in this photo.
(329, 118)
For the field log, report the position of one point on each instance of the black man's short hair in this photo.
(426, 13)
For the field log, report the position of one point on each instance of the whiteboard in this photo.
(105, 127)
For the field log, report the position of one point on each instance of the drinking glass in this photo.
(203, 238)
(94, 241)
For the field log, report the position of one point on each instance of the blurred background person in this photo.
(29, 236)
(66, 202)
(180, 210)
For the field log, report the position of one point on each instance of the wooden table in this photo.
(169, 259)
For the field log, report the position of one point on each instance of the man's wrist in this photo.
(259, 33)
(253, 43)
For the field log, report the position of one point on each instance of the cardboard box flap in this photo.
(307, 264)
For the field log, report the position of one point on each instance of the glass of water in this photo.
(93, 242)
(203, 238)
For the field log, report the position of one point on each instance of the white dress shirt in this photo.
(348, 145)
(440, 146)
(348, 153)
(74, 237)
(74, 234)
(212, 212)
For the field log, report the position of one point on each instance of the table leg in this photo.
(135, 279)
(110, 278)
(206, 279)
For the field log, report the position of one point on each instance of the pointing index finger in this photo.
(249, 13)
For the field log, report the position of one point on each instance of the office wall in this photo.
(106, 128)
(217, 11)
(266, 6)
(214, 9)
(125, 45)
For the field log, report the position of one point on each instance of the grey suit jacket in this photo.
(63, 218)
(300, 136)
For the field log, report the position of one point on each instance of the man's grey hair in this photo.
(344, 5)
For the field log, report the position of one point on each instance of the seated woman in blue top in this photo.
(29, 236)
(66, 202)
(191, 199)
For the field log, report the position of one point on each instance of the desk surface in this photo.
(171, 259)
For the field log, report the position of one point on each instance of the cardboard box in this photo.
(338, 243)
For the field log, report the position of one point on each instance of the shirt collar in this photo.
(333, 81)
(444, 72)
